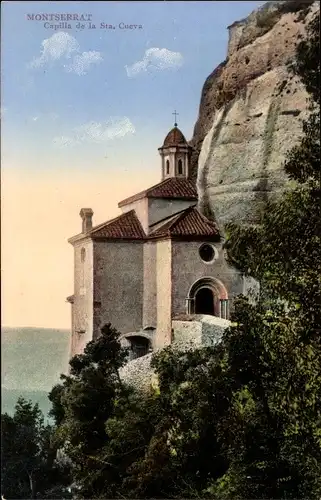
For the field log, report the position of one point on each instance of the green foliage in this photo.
(306, 65)
(266, 19)
(89, 397)
(294, 6)
(303, 162)
(28, 465)
(279, 447)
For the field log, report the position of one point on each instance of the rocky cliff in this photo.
(250, 113)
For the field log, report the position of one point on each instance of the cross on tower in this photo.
(175, 124)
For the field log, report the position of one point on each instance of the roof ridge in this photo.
(184, 214)
(170, 216)
(180, 216)
(206, 219)
(193, 217)
(175, 220)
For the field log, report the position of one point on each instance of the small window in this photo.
(207, 253)
(167, 166)
(180, 167)
(83, 255)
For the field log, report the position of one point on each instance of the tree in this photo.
(303, 163)
(82, 404)
(184, 450)
(28, 462)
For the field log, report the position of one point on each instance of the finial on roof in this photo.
(175, 124)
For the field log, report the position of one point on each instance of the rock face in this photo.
(250, 114)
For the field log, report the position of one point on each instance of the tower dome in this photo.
(175, 153)
(174, 138)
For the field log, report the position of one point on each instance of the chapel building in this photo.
(158, 261)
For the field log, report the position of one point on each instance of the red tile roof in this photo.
(125, 226)
(173, 187)
(189, 223)
(174, 138)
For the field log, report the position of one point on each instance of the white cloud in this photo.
(62, 46)
(156, 59)
(81, 63)
(95, 132)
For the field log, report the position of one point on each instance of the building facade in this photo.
(159, 261)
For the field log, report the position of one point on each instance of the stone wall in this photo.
(188, 267)
(82, 308)
(150, 286)
(187, 334)
(164, 295)
(118, 278)
(200, 331)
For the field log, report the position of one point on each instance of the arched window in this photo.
(167, 166)
(83, 255)
(208, 296)
(180, 167)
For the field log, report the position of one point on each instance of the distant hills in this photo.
(32, 360)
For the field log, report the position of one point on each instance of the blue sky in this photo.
(83, 113)
(44, 102)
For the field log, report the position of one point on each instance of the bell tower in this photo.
(175, 153)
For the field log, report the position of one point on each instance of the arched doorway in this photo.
(204, 301)
(139, 346)
(138, 343)
(208, 296)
